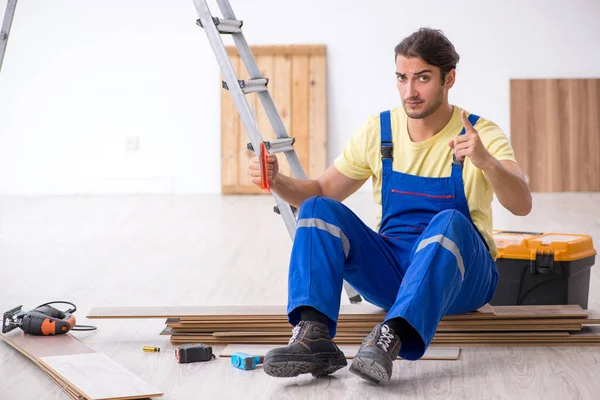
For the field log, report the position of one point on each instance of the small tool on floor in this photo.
(245, 361)
(43, 320)
(188, 353)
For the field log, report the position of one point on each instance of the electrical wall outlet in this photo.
(132, 143)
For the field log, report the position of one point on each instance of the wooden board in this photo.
(438, 353)
(216, 312)
(283, 334)
(524, 312)
(347, 312)
(438, 335)
(37, 347)
(555, 132)
(351, 313)
(57, 379)
(588, 336)
(67, 347)
(98, 377)
(212, 326)
(503, 328)
(298, 87)
(282, 50)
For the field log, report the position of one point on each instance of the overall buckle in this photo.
(386, 150)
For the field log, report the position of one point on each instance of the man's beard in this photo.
(428, 111)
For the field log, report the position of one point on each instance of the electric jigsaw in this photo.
(43, 320)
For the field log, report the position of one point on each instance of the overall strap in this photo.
(386, 141)
(457, 164)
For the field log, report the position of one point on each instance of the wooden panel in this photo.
(442, 329)
(555, 132)
(283, 50)
(317, 139)
(68, 349)
(297, 85)
(439, 353)
(99, 377)
(300, 71)
(281, 90)
(12, 340)
(60, 345)
(592, 169)
(347, 311)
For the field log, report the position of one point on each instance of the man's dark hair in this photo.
(432, 46)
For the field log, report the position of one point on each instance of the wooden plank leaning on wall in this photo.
(298, 85)
(555, 131)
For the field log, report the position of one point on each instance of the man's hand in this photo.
(470, 145)
(272, 169)
(505, 176)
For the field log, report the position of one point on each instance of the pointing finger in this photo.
(466, 122)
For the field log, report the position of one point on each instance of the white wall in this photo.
(80, 76)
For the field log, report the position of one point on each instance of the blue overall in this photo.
(427, 260)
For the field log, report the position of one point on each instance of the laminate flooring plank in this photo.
(99, 377)
(206, 313)
(347, 312)
(43, 346)
(17, 341)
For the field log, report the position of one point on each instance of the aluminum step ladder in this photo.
(229, 25)
(5, 30)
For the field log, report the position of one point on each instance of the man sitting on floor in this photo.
(435, 168)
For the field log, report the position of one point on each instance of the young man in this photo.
(435, 169)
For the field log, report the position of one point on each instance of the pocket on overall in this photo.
(429, 199)
(444, 195)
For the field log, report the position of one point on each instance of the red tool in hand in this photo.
(264, 180)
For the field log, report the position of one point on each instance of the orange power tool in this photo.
(42, 320)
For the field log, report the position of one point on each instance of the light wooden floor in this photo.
(208, 250)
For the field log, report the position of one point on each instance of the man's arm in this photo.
(505, 176)
(510, 185)
(332, 183)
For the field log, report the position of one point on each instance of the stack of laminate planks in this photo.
(561, 325)
(80, 371)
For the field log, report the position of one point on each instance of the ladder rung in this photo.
(225, 25)
(277, 145)
(251, 85)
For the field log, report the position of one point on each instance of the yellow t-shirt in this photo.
(361, 159)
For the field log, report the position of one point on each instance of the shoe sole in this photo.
(287, 366)
(369, 369)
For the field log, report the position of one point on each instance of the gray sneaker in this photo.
(378, 351)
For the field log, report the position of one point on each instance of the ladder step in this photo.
(277, 145)
(277, 211)
(225, 25)
(251, 85)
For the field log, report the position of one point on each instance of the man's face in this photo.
(420, 86)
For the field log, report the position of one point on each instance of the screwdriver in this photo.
(187, 353)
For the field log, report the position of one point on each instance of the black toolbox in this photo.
(543, 268)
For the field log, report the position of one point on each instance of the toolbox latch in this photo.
(544, 263)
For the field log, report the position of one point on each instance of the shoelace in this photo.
(386, 338)
(295, 333)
